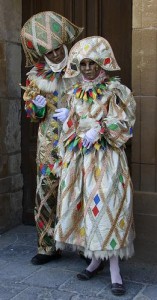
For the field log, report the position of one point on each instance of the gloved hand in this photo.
(90, 137)
(39, 101)
(61, 114)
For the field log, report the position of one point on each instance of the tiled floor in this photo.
(20, 280)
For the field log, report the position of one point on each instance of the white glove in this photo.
(61, 114)
(39, 101)
(90, 137)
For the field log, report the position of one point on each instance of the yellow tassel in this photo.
(85, 96)
(81, 95)
(99, 91)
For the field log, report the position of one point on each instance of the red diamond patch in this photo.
(107, 61)
(95, 211)
(79, 206)
(41, 224)
(69, 123)
(30, 44)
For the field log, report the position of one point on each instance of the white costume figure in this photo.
(44, 38)
(95, 202)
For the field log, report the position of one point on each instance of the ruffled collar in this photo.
(87, 84)
(90, 90)
(48, 70)
(44, 71)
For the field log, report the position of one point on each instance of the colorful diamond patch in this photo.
(79, 205)
(96, 199)
(121, 178)
(97, 172)
(63, 184)
(82, 231)
(122, 224)
(69, 123)
(113, 127)
(95, 210)
(113, 244)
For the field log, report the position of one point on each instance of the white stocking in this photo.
(115, 270)
(94, 264)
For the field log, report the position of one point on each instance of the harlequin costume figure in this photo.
(95, 209)
(44, 38)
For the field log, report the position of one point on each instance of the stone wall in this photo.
(10, 114)
(144, 83)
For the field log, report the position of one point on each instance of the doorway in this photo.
(111, 19)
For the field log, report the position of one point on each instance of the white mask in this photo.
(58, 67)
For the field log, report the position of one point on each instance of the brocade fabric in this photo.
(95, 196)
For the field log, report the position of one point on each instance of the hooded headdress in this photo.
(44, 32)
(95, 48)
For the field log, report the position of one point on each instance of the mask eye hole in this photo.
(73, 67)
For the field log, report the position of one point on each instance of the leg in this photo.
(94, 264)
(45, 212)
(115, 270)
(94, 267)
(117, 286)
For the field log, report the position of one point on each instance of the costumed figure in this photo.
(95, 199)
(44, 38)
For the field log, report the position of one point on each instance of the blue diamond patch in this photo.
(96, 199)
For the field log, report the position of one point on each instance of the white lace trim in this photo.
(125, 252)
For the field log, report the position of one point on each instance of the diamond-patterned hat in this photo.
(95, 48)
(44, 32)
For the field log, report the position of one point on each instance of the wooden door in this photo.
(111, 19)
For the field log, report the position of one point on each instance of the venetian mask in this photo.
(89, 69)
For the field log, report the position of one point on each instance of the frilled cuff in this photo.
(39, 112)
(33, 112)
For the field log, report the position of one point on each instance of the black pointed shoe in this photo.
(41, 259)
(86, 275)
(118, 289)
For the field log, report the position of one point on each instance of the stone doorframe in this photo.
(10, 115)
(144, 85)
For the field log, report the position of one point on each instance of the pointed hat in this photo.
(95, 48)
(44, 32)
